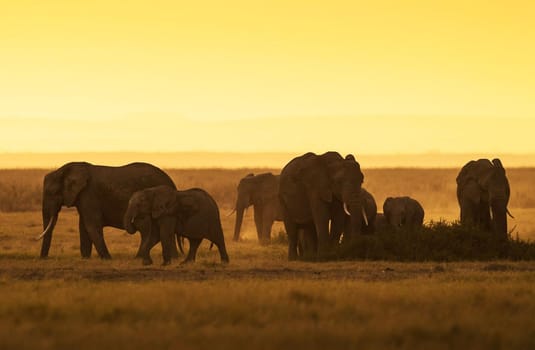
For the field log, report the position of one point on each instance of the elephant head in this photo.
(159, 204)
(493, 190)
(139, 210)
(254, 190)
(61, 187)
(329, 177)
(153, 204)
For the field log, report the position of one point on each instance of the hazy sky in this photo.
(465, 70)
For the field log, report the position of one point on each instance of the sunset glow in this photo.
(246, 76)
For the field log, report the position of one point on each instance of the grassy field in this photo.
(260, 300)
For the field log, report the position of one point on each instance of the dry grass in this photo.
(20, 190)
(259, 300)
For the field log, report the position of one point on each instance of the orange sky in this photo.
(415, 76)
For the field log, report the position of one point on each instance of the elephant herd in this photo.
(322, 203)
(319, 198)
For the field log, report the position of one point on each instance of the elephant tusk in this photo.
(46, 229)
(133, 218)
(364, 216)
(345, 209)
(509, 213)
(232, 212)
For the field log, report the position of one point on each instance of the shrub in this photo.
(438, 241)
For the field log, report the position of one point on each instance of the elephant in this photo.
(403, 212)
(191, 213)
(100, 194)
(317, 190)
(482, 189)
(262, 192)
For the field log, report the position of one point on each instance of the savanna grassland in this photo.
(260, 300)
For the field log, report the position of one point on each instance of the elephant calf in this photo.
(191, 213)
(403, 212)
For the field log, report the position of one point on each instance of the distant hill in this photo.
(274, 160)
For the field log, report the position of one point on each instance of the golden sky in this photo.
(406, 76)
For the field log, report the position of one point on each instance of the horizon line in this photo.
(238, 160)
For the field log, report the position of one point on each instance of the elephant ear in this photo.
(497, 163)
(74, 181)
(163, 203)
(466, 173)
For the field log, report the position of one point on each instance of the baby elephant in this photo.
(191, 213)
(403, 212)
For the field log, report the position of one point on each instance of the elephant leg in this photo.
(291, 230)
(92, 221)
(220, 244)
(267, 224)
(270, 215)
(85, 242)
(150, 235)
(193, 246)
(97, 237)
(167, 237)
(321, 225)
(310, 243)
(258, 223)
(300, 243)
(155, 238)
(148, 241)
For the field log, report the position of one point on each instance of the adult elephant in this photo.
(403, 212)
(262, 192)
(482, 189)
(100, 194)
(312, 189)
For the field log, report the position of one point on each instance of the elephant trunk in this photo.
(353, 205)
(49, 223)
(128, 221)
(239, 219)
(499, 218)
